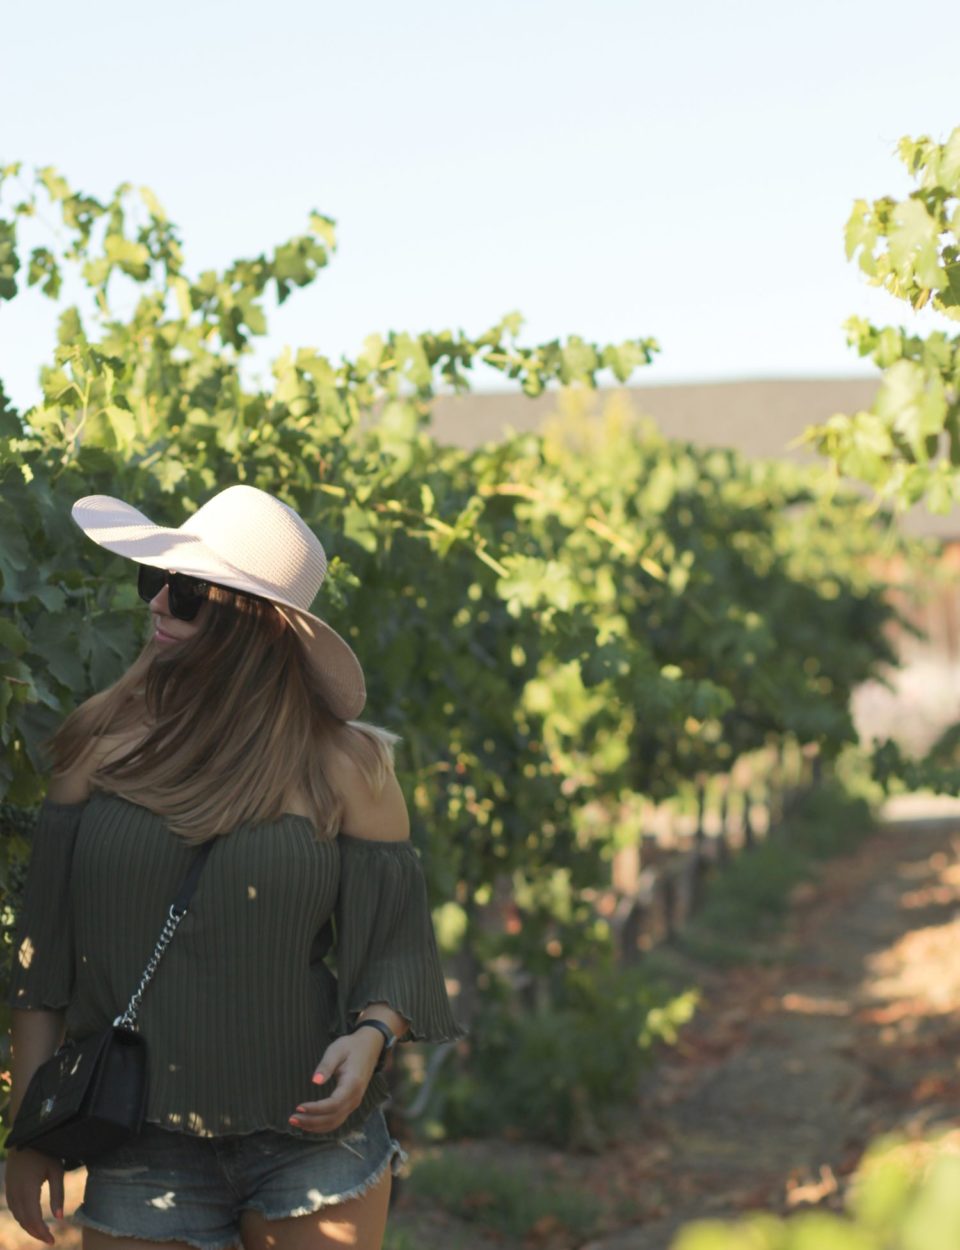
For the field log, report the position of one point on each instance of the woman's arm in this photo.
(384, 818)
(351, 1059)
(36, 1033)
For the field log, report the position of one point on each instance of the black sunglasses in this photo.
(187, 594)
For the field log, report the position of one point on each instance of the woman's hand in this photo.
(351, 1059)
(26, 1170)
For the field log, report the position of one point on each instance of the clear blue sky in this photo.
(611, 169)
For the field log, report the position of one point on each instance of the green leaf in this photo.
(14, 560)
(397, 428)
(942, 492)
(913, 244)
(132, 258)
(360, 526)
(758, 1233)
(624, 359)
(933, 1222)
(54, 637)
(412, 360)
(889, 347)
(579, 361)
(914, 403)
(531, 581)
(948, 167)
(124, 426)
(153, 205)
(325, 228)
(859, 233)
(55, 185)
(70, 328)
(371, 356)
(96, 272)
(168, 473)
(11, 638)
(9, 260)
(45, 271)
(181, 289)
(949, 294)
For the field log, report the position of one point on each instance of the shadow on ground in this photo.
(847, 1029)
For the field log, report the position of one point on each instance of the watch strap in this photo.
(389, 1038)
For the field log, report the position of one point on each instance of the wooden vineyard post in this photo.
(723, 846)
(749, 833)
(668, 903)
(776, 799)
(631, 924)
(698, 864)
(817, 770)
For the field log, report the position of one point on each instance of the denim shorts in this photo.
(172, 1186)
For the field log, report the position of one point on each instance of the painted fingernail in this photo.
(294, 1120)
(318, 1078)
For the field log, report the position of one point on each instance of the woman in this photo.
(237, 722)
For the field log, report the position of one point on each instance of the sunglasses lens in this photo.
(186, 596)
(149, 582)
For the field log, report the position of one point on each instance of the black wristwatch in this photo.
(389, 1038)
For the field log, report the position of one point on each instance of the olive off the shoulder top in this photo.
(243, 1003)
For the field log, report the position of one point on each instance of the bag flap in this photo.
(59, 1087)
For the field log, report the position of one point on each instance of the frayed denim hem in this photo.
(84, 1221)
(396, 1158)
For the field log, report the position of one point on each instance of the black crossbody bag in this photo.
(91, 1095)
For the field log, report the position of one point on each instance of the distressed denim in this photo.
(174, 1186)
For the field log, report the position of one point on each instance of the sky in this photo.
(614, 169)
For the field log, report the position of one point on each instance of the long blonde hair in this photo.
(236, 723)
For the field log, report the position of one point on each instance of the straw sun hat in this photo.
(248, 540)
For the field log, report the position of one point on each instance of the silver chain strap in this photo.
(129, 1017)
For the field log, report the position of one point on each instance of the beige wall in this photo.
(758, 418)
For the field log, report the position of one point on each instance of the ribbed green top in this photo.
(243, 1004)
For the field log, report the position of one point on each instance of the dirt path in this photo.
(852, 1028)
(790, 1072)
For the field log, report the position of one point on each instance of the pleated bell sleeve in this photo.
(386, 946)
(42, 973)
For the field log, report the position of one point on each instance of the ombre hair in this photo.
(236, 724)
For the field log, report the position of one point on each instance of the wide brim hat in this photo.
(246, 539)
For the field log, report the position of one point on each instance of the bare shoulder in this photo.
(73, 785)
(383, 817)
